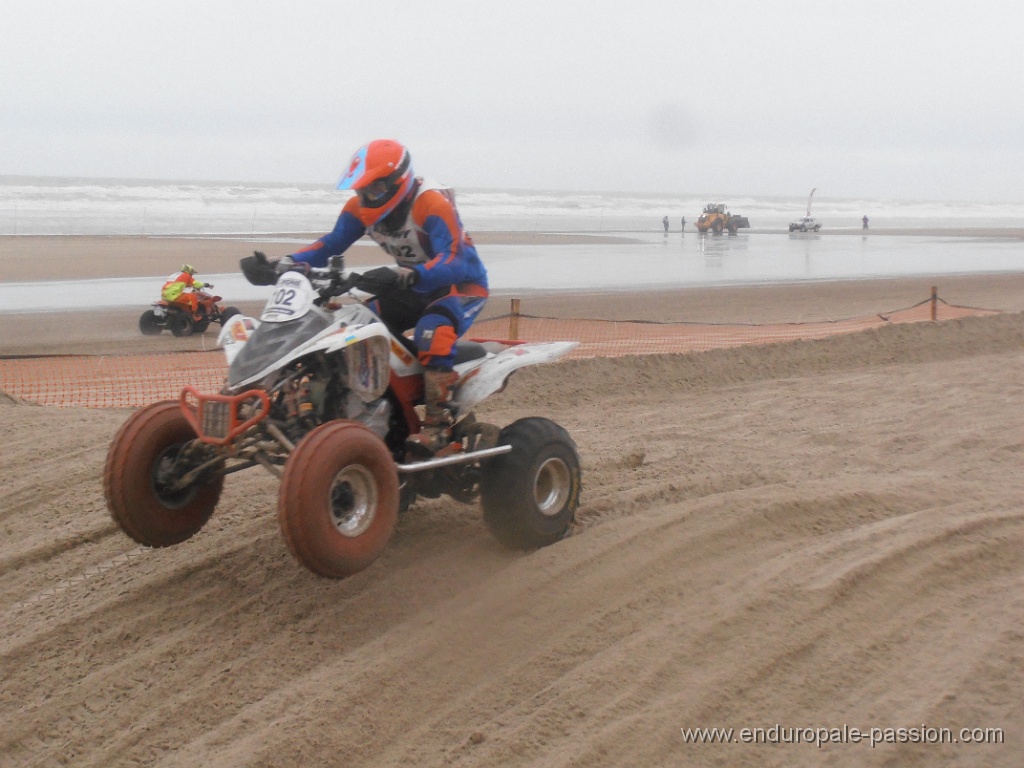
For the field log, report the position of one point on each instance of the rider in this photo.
(443, 282)
(180, 288)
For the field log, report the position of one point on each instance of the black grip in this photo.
(258, 270)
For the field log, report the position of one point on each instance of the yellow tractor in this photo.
(717, 219)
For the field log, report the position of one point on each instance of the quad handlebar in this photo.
(332, 281)
(329, 281)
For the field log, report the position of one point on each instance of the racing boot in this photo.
(436, 432)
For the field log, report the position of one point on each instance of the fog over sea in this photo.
(55, 206)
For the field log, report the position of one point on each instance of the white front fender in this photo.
(235, 333)
(490, 376)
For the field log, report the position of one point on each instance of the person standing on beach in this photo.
(442, 281)
(664, 221)
(865, 220)
(682, 224)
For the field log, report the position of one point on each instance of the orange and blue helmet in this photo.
(381, 174)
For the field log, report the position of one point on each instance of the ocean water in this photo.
(51, 206)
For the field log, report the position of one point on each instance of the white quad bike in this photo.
(325, 400)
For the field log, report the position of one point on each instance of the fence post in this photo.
(935, 302)
(513, 321)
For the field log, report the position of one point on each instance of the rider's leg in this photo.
(436, 430)
(436, 333)
(435, 340)
(399, 311)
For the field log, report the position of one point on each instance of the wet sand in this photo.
(84, 257)
(28, 258)
(116, 331)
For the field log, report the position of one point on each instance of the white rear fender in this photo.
(490, 376)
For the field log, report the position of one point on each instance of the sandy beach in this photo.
(88, 256)
(803, 538)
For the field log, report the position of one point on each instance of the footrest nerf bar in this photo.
(215, 418)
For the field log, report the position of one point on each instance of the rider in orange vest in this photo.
(180, 288)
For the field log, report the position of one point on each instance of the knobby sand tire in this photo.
(530, 495)
(180, 324)
(338, 502)
(149, 325)
(137, 505)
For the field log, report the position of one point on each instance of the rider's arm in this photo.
(455, 259)
(346, 231)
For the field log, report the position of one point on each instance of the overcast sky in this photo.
(893, 99)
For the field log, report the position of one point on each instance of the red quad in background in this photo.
(178, 318)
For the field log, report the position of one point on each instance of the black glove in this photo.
(407, 277)
(207, 285)
(258, 269)
(377, 281)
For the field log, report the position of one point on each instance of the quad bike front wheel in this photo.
(338, 502)
(530, 495)
(227, 313)
(144, 460)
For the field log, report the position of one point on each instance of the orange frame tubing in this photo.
(236, 427)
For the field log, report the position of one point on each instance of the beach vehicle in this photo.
(178, 318)
(325, 400)
(716, 218)
(805, 224)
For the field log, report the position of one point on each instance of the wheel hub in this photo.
(167, 469)
(551, 486)
(353, 500)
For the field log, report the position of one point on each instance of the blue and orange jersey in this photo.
(428, 236)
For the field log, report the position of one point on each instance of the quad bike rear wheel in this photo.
(180, 324)
(338, 501)
(149, 324)
(144, 460)
(530, 495)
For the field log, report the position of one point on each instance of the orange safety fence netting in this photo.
(110, 381)
(113, 381)
(611, 338)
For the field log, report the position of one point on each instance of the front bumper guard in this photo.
(216, 419)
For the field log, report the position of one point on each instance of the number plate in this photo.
(293, 297)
